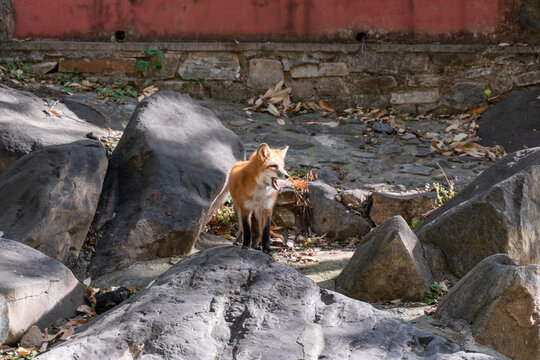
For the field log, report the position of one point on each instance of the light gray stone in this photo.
(43, 67)
(479, 72)
(389, 265)
(528, 78)
(465, 95)
(229, 303)
(38, 289)
(264, 73)
(415, 97)
(26, 125)
(319, 70)
(210, 66)
(356, 198)
(373, 63)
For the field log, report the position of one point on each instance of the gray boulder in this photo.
(330, 217)
(497, 212)
(231, 303)
(168, 175)
(34, 290)
(500, 301)
(26, 124)
(49, 197)
(389, 265)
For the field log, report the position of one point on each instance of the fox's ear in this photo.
(284, 152)
(263, 151)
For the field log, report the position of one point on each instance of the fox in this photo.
(254, 187)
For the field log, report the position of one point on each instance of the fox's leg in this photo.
(246, 230)
(239, 239)
(266, 236)
(255, 231)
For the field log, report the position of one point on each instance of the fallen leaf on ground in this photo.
(67, 334)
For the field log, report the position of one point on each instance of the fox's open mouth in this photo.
(275, 183)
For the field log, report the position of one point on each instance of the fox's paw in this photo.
(268, 251)
(245, 247)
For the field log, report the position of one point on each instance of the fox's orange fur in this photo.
(254, 187)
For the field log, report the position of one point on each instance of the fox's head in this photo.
(273, 165)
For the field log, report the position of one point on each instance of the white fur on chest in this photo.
(261, 198)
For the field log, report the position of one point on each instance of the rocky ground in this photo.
(369, 149)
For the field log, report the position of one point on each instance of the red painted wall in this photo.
(261, 20)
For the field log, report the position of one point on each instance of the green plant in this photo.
(433, 295)
(415, 223)
(198, 80)
(444, 193)
(117, 91)
(487, 89)
(224, 220)
(16, 69)
(142, 64)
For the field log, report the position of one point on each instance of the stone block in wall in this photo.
(371, 100)
(373, 63)
(425, 80)
(476, 73)
(501, 84)
(105, 65)
(528, 78)
(465, 95)
(229, 91)
(301, 89)
(210, 66)
(7, 23)
(264, 73)
(367, 83)
(169, 66)
(415, 97)
(319, 70)
(414, 63)
(332, 87)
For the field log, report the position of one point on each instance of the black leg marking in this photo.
(266, 236)
(246, 230)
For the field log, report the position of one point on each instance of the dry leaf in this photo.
(87, 281)
(86, 309)
(56, 113)
(273, 110)
(67, 334)
(281, 122)
(459, 137)
(325, 106)
(77, 322)
(477, 110)
(452, 127)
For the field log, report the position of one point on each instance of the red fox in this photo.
(254, 188)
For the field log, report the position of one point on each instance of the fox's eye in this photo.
(273, 166)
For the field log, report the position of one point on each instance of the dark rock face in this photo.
(497, 212)
(389, 265)
(512, 122)
(501, 302)
(49, 197)
(169, 174)
(231, 303)
(34, 290)
(26, 126)
(409, 206)
(331, 217)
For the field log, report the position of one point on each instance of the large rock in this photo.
(501, 302)
(231, 303)
(37, 289)
(49, 197)
(512, 122)
(409, 206)
(497, 212)
(169, 174)
(26, 124)
(330, 217)
(389, 265)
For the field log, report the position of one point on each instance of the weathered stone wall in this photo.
(420, 78)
